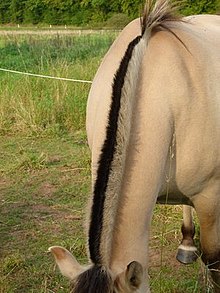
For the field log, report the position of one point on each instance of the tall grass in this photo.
(34, 105)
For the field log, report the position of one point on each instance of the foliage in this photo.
(200, 7)
(117, 20)
(84, 12)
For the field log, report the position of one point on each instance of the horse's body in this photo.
(161, 144)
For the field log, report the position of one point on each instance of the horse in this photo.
(153, 113)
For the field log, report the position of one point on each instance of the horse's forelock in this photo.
(96, 279)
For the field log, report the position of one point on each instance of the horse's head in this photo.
(97, 278)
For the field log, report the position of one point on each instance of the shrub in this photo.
(118, 21)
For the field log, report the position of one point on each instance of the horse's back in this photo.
(181, 73)
(180, 70)
(196, 105)
(205, 21)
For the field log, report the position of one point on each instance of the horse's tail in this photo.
(113, 154)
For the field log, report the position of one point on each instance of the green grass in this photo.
(33, 105)
(42, 204)
(166, 273)
(45, 170)
(44, 187)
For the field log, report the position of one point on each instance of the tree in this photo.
(200, 7)
(34, 11)
(16, 11)
(132, 8)
(81, 12)
(4, 11)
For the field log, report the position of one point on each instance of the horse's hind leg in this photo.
(208, 211)
(187, 252)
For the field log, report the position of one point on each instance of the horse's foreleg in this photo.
(187, 251)
(208, 211)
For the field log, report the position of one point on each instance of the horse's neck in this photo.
(130, 170)
(144, 173)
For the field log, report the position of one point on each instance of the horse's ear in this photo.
(134, 275)
(66, 262)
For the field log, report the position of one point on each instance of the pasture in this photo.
(45, 169)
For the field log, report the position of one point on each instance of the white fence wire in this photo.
(45, 76)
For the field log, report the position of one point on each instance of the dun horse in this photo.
(153, 112)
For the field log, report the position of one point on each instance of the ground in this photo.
(44, 187)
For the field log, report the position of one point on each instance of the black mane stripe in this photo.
(107, 156)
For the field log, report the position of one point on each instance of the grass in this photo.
(44, 187)
(30, 105)
(42, 203)
(166, 273)
(45, 170)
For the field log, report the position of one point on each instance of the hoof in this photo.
(187, 255)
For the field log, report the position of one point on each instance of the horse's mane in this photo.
(96, 279)
(157, 13)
